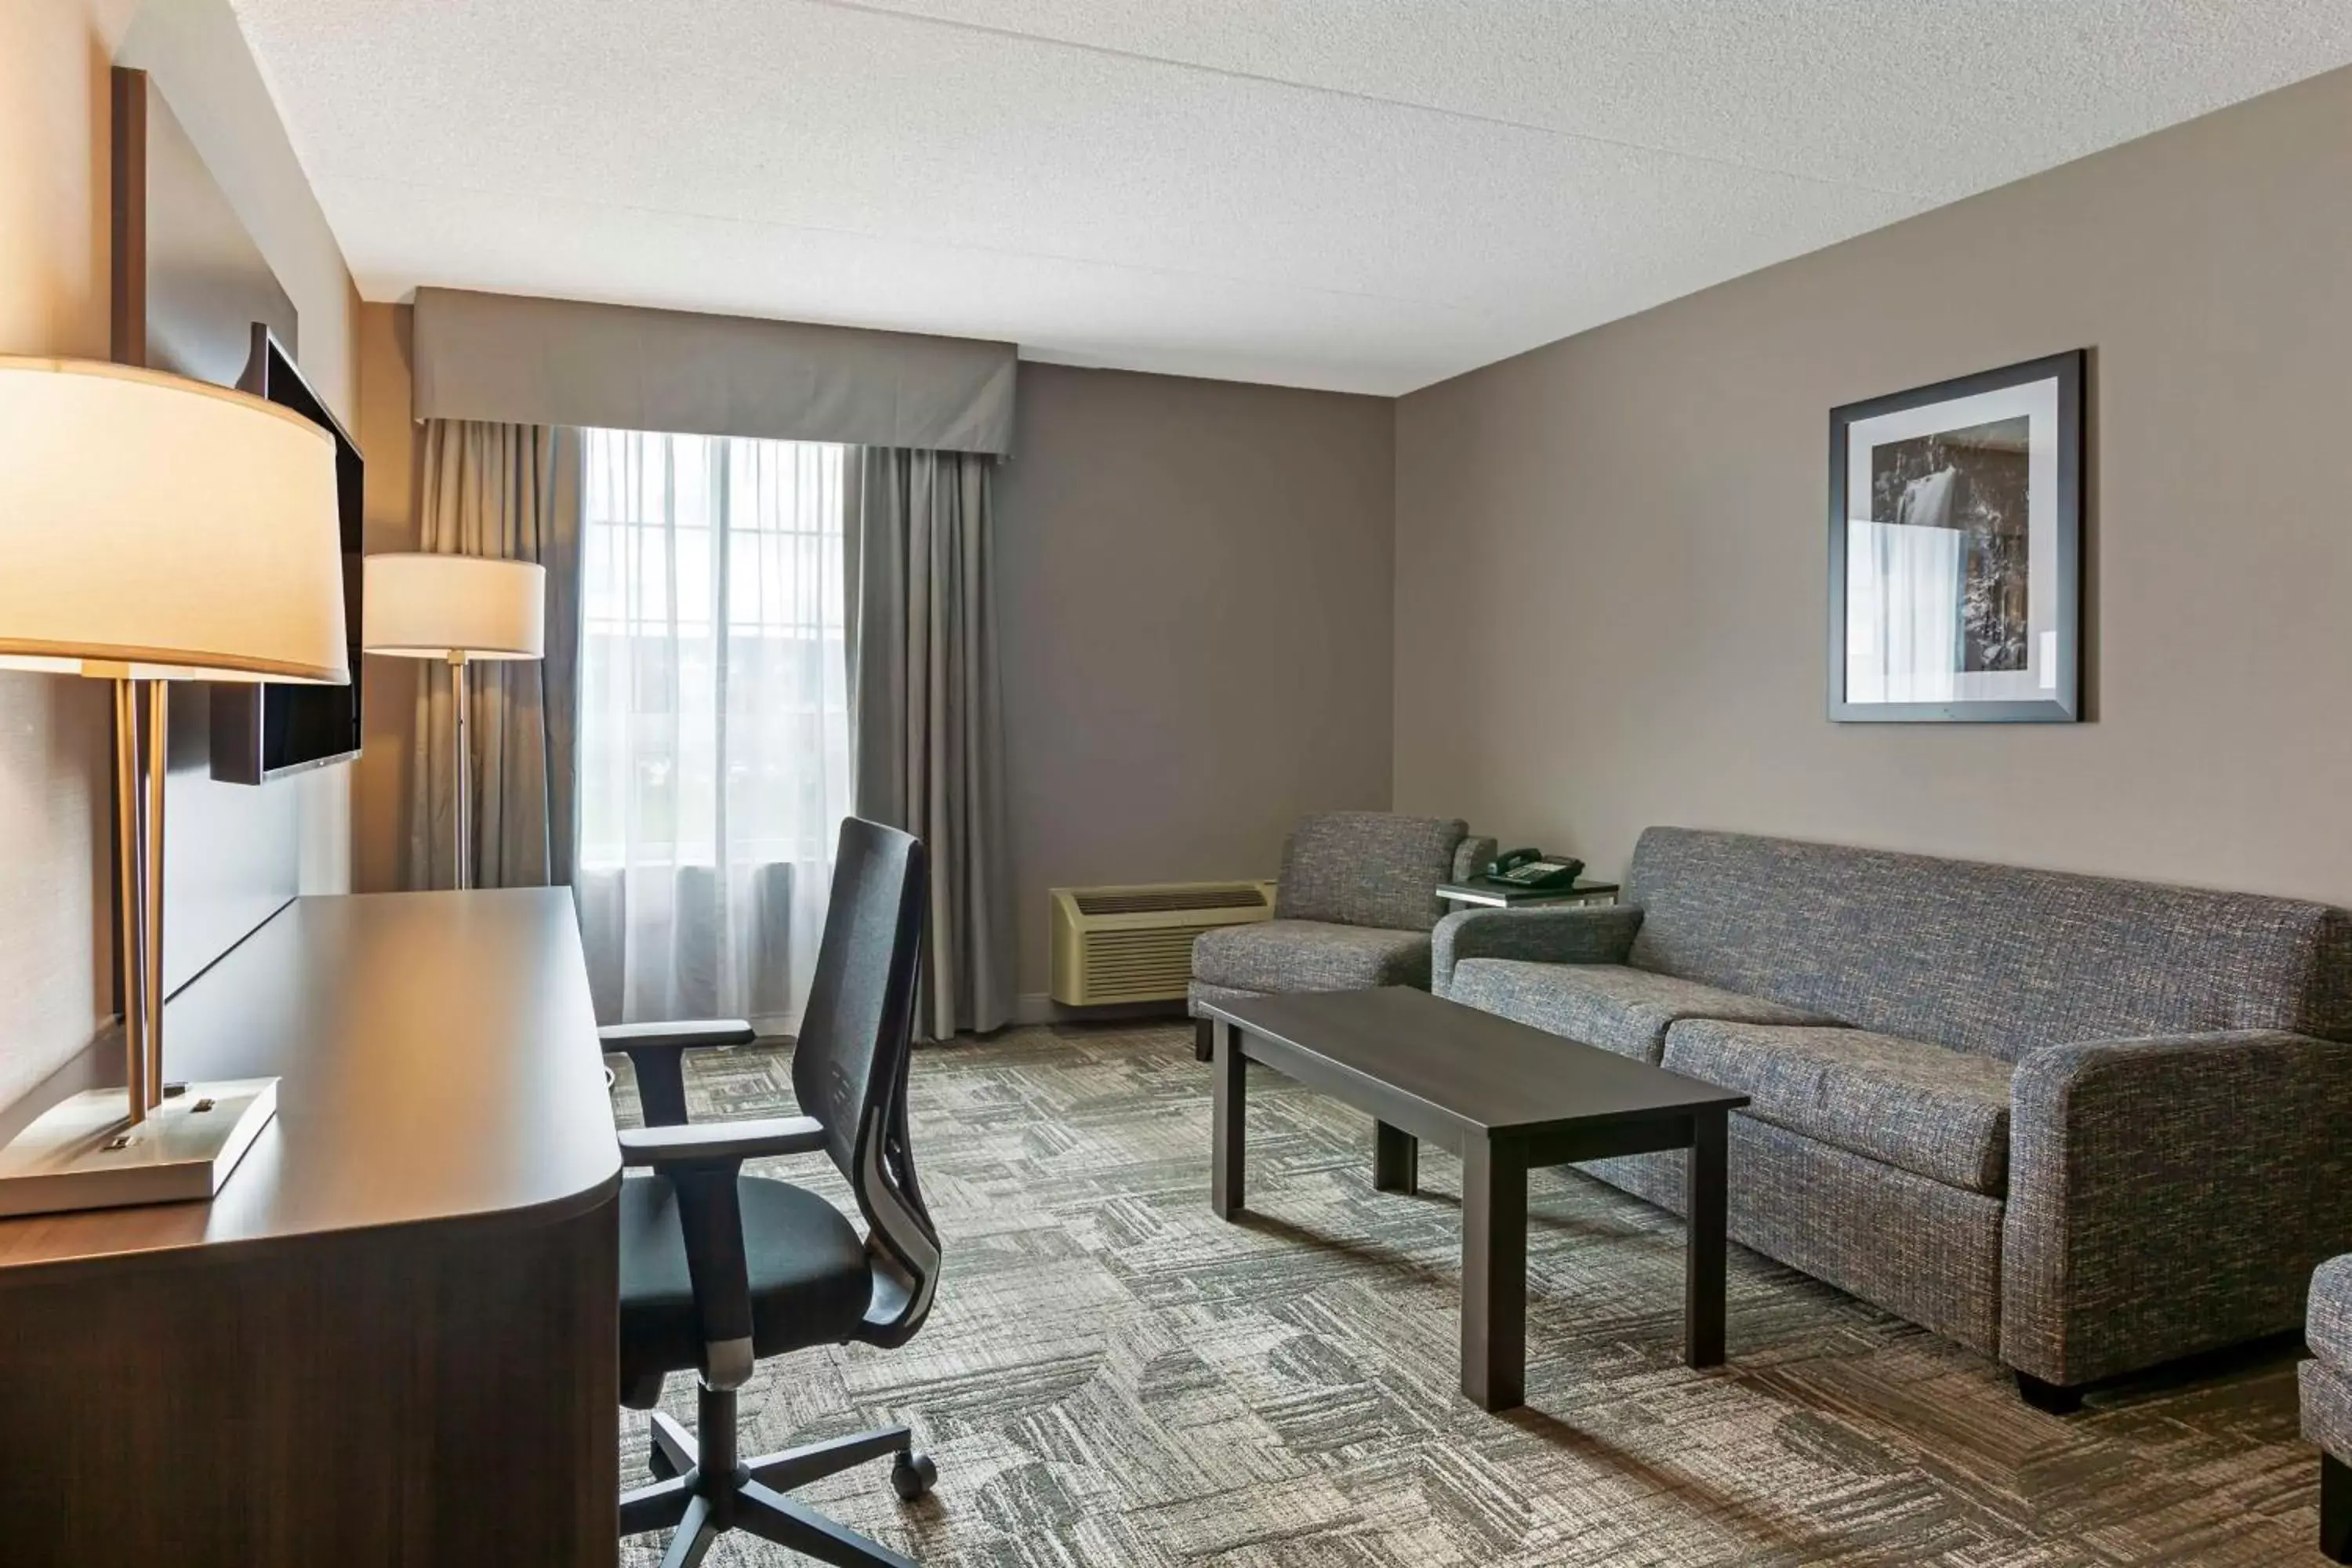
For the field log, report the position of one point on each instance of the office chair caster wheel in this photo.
(657, 1465)
(912, 1476)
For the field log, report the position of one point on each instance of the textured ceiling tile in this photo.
(1074, 312)
(1935, 99)
(1321, 192)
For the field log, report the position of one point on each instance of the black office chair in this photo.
(719, 1268)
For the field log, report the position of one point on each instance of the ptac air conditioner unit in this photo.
(1135, 944)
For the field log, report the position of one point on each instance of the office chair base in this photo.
(698, 1494)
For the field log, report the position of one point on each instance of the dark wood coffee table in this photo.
(1507, 1099)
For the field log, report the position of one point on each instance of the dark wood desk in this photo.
(391, 1339)
(1507, 1099)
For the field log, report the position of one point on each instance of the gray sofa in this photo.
(2327, 1381)
(1357, 897)
(2085, 1126)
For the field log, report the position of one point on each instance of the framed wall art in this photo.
(1956, 550)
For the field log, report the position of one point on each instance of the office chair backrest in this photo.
(850, 1063)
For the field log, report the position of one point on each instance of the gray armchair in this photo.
(1354, 908)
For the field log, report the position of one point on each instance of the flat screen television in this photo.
(266, 730)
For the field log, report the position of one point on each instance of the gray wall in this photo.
(1195, 588)
(388, 699)
(1610, 551)
(232, 853)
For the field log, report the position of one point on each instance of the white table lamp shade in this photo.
(164, 529)
(430, 606)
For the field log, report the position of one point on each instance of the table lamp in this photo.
(457, 608)
(155, 529)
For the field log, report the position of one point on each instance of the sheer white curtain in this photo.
(714, 721)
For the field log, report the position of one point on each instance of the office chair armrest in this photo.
(653, 1051)
(721, 1142)
(703, 1165)
(680, 1036)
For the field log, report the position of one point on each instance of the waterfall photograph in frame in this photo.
(1956, 550)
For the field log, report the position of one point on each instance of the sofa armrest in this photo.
(1573, 934)
(2170, 1195)
(2327, 1320)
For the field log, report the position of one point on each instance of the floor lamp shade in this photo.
(164, 529)
(460, 608)
(431, 606)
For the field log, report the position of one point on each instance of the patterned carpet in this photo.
(1115, 1377)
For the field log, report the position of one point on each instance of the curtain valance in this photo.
(517, 360)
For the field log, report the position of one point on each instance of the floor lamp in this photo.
(456, 608)
(155, 529)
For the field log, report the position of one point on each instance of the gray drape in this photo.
(623, 367)
(511, 491)
(926, 731)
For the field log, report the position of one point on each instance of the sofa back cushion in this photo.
(1997, 959)
(1368, 868)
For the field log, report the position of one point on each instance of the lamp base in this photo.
(81, 1154)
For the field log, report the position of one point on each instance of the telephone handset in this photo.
(1532, 871)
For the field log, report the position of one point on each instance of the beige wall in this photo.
(1611, 551)
(55, 952)
(1194, 587)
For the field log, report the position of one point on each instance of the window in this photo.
(714, 759)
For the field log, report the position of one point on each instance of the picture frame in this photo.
(1956, 550)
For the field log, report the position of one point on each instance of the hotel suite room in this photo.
(909, 951)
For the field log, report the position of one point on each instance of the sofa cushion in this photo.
(2327, 1321)
(1934, 1113)
(1997, 959)
(1368, 868)
(1607, 1005)
(1310, 955)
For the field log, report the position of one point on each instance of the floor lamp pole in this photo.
(458, 685)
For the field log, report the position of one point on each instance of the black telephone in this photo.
(1533, 871)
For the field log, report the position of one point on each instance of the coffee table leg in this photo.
(1494, 1273)
(1703, 1201)
(1226, 1120)
(1396, 1159)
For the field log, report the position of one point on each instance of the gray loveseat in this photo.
(2081, 1125)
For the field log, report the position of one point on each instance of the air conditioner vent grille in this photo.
(1169, 900)
(1136, 965)
(1134, 944)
